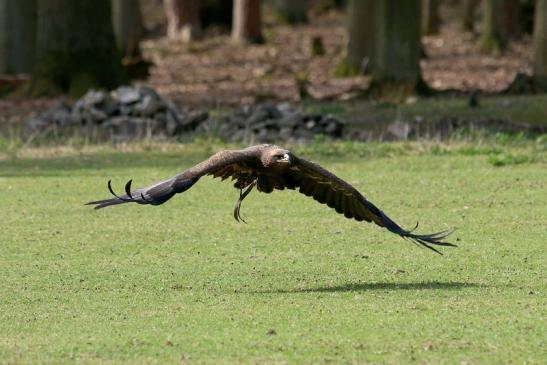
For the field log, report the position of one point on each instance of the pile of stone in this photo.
(271, 123)
(136, 112)
(125, 113)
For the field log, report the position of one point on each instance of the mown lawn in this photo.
(185, 283)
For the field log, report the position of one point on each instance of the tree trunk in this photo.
(75, 48)
(469, 8)
(512, 9)
(17, 35)
(246, 22)
(431, 19)
(492, 38)
(128, 29)
(398, 42)
(292, 11)
(540, 45)
(361, 49)
(501, 21)
(183, 19)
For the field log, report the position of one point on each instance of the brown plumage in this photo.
(269, 167)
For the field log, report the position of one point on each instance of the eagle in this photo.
(269, 168)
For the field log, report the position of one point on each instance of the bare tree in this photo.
(501, 21)
(384, 41)
(183, 19)
(128, 28)
(540, 45)
(469, 8)
(246, 22)
(292, 11)
(17, 35)
(75, 47)
(431, 19)
(361, 49)
(398, 42)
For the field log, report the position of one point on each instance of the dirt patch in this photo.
(214, 73)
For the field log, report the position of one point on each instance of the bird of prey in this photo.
(270, 167)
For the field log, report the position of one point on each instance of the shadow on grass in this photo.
(356, 287)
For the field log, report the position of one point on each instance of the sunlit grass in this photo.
(184, 283)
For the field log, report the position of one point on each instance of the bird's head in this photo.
(277, 158)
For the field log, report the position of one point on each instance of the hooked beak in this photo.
(286, 158)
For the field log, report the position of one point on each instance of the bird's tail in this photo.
(425, 240)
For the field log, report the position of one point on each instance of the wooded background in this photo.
(71, 46)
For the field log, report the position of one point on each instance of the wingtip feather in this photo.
(425, 240)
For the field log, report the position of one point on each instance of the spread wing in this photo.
(223, 164)
(325, 187)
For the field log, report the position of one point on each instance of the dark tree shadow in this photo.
(357, 287)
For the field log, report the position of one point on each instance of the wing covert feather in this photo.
(347, 200)
(226, 161)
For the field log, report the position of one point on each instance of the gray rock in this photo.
(237, 120)
(173, 124)
(133, 112)
(148, 106)
(316, 117)
(239, 136)
(37, 123)
(285, 133)
(271, 136)
(125, 128)
(265, 124)
(93, 115)
(148, 91)
(127, 94)
(125, 109)
(310, 124)
(286, 109)
(261, 135)
(245, 110)
(78, 106)
(290, 121)
(224, 130)
(193, 119)
(161, 119)
(171, 106)
(110, 107)
(272, 111)
(94, 97)
(258, 115)
(116, 121)
(332, 128)
(59, 114)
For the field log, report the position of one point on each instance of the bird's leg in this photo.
(242, 195)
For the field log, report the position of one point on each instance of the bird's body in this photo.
(269, 167)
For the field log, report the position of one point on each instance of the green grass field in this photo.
(185, 283)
